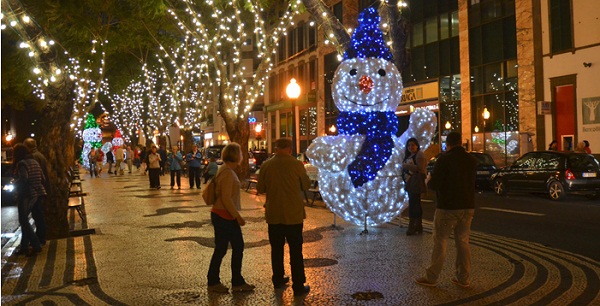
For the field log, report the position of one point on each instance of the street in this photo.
(572, 225)
(152, 247)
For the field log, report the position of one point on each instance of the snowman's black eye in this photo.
(353, 72)
(381, 72)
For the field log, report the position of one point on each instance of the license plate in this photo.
(589, 174)
(486, 172)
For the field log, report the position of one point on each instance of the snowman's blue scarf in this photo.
(378, 128)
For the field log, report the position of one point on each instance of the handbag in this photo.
(209, 195)
(416, 183)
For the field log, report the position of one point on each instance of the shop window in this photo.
(494, 78)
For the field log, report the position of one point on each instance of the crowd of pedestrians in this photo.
(282, 178)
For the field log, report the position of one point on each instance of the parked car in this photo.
(485, 168)
(213, 152)
(554, 173)
(8, 188)
(256, 158)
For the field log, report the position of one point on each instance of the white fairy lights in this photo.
(360, 169)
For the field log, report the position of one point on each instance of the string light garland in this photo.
(360, 169)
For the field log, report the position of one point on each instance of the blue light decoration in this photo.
(360, 168)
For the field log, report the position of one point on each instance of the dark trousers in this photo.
(176, 174)
(194, 176)
(28, 236)
(154, 176)
(226, 231)
(278, 234)
(38, 215)
(415, 211)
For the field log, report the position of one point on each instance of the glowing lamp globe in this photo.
(293, 89)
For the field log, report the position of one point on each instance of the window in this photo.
(417, 34)
(431, 30)
(444, 26)
(454, 23)
(281, 50)
(292, 46)
(526, 161)
(561, 36)
(300, 38)
(312, 35)
(338, 11)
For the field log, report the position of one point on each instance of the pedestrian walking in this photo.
(453, 179)
(194, 161)
(29, 182)
(119, 156)
(92, 156)
(283, 178)
(175, 159)
(227, 223)
(154, 168)
(163, 159)
(211, 170)
(99, 161)
(414, 169)
(38, 212)
(110, 160)
(129, 158)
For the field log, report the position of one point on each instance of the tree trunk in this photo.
(239, 132)
(56, 141)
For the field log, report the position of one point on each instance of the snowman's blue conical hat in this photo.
(367, 40)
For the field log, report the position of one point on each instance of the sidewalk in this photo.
(153, 247)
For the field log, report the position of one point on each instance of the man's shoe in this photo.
(283, 282)
(218, 288)
(455, 280)
(243, 288)
(304, 291)
(21, 251)
(423, 281)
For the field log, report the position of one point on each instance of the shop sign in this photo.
(429, 91)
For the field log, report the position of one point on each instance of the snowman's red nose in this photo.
(365, 84)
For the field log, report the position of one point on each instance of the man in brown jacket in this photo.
(283, 178)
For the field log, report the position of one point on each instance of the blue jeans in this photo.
(226, 231)
(28, 236)
(278, 234)
(176, 174)
(415, 211)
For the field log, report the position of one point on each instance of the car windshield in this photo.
(484, 160)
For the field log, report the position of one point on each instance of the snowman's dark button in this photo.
(381, 72)
(353, 72)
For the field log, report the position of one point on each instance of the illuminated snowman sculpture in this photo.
(360, 169)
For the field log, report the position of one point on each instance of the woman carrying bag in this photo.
(414, 171)
(227, 223)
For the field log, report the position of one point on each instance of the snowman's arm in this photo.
(423, 123)
(334, 153)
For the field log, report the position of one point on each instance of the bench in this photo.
(77, 202)
(315, 192)
(251, 182)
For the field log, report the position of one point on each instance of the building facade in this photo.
(510, 75)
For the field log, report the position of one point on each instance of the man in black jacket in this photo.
(453, 179)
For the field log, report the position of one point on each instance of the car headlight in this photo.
(8, 187)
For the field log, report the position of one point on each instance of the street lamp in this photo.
(448, 125)
(486, 116)
(293, 92)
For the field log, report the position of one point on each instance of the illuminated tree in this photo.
(220, 31)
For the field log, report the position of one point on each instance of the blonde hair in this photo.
(232, 153)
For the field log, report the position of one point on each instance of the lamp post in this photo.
(293, 92)
(486, 116)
